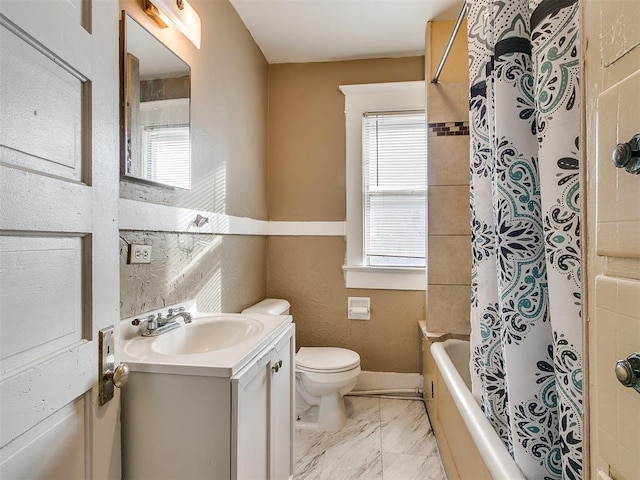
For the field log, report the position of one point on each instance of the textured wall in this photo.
(308, 272)
(307, 183)
(210, 268)
(449, 240)
(229, 78)
(307, 132)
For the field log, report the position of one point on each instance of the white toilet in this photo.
(323, 376)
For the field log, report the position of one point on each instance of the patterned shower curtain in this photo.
(526, 289)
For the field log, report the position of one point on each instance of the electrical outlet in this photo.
(139, 253)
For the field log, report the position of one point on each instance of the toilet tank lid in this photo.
(269, 306)
(327, 358)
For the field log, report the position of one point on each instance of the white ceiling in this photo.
(297, 31)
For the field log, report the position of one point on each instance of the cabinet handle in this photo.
(276, 367)
(628, 371)
(627, 155)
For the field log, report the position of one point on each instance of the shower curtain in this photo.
(526, 289)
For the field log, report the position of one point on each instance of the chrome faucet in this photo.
(179, 312)
(151, 321)
(157, 324)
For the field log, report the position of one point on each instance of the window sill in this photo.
(385, 278)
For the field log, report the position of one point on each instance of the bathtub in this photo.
(454, 382)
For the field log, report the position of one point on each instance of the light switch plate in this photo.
(139, 253)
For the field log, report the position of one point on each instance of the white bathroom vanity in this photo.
(197, 407)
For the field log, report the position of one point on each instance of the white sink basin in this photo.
(206, 336)
(215, 344)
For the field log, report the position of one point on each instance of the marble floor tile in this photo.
(397, 466)
(309, 453)
(362, 409)
(358, 460)
(384, 439)
(405, 427)
(363, 422)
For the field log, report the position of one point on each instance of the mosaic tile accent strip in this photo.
(448, 129)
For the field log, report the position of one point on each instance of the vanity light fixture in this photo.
(177, 12)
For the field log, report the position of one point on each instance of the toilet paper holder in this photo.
(359, 308)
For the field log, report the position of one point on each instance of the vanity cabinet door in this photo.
(262, 418)
(282, 398)
(250, 420)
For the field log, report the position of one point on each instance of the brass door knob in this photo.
(120, 375)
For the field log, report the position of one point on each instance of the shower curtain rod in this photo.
(456, 27)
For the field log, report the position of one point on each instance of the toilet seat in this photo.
(326, 360)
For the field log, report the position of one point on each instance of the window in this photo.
(394, 165)
(164, 141)
(166, 153)
(386, 183)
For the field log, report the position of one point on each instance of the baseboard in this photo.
(368, 381)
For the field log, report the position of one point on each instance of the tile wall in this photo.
(449, 264)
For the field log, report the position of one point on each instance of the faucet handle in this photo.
(175, 310)
(139, 321)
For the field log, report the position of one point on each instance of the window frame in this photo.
(360, 99)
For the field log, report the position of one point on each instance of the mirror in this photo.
(155, 91)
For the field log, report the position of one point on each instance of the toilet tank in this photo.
(270, 306)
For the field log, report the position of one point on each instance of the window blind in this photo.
(394, 168)
(167, 154)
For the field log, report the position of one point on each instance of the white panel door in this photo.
(613, 241)
(59, 281)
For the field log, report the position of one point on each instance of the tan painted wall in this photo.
(308, 272)
(307, 132)
(228, 115)
(437, 36)
(307, 183)
(229, 173)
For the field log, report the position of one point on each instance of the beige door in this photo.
(612, 31)
(58, 236)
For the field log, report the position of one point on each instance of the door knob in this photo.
(110, 376)
(119, 376)
(627, 155)
(628, 371)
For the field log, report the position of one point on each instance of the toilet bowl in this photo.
(323, 376)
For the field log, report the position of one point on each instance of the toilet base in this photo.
(308, 420)
(329, 415)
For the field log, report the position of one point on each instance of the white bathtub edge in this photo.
(496, 457)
